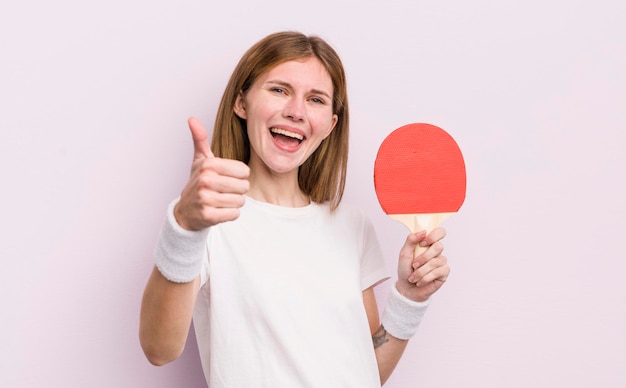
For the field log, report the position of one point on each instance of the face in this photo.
(288, 112)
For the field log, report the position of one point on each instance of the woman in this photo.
(278, 276)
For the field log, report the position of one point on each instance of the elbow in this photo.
(159, 354)
(159, 357)
(157, 360)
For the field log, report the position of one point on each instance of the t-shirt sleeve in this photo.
(373, 265)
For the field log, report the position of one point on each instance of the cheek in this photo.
(257, 111)
(322, 122)
(327, 126)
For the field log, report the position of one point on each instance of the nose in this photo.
(294, 109)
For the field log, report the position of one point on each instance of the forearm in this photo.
(170, 294)
(399, 323)
(389, 350)
(166, 312)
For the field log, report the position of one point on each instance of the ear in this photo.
(240, 108)
(332, 125)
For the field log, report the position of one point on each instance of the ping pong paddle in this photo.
(419, 176)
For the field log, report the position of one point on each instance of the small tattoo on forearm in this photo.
(380, 337)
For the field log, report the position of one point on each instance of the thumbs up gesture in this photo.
(214, 192)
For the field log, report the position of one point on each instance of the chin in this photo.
(284, 167)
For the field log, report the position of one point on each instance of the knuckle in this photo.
(239, 201)
(208, 166)
(211, 162)
(444, 260)
(207, 213)
(205, 181)
(246, 186)
(244, 169)
(213, 216)
(207, 197)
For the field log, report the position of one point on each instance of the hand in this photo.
(214, 192)
(421, 276)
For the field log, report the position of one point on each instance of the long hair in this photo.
(323, 174)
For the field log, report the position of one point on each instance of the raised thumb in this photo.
(201, 148)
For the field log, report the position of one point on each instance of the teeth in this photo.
(287, 133)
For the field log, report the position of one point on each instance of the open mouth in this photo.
(285, 137)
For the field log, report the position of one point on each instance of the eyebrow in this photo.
(288, 85)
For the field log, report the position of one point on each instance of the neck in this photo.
(277, 189)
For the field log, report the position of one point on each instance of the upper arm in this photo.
(371, 309)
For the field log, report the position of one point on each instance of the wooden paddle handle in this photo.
(419, 222)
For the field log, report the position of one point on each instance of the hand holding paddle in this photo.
(420, 181)
(214, 192)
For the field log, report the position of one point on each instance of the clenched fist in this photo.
(216, 187)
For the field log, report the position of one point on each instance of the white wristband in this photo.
(179, 252)
(403, 316)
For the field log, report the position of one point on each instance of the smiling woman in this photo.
(259, 250)
(321, 177)
(287, 114)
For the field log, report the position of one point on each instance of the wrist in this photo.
(405, 288)
(179, 252)
(402, 316)
(180, 216)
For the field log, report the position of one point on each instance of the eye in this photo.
(318, 100)
(277, 90)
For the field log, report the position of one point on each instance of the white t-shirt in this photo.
(281, 299)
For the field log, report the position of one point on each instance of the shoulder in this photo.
(349, 210)
(349, 214)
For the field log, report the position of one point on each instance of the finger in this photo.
(429, 246)
(408, 249)
(223, 185)
(200, 138)
(211, 200)
(224, 167)
(439, 274)
(214, 216)
(434, 236)
(428, 266)
(221, 201)
(434, 269)
(428, 253)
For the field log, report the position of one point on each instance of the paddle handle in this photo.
(419, 222)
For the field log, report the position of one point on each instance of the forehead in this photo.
(307, 73)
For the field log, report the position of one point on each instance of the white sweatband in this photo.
(403, 316)
(179, 252)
